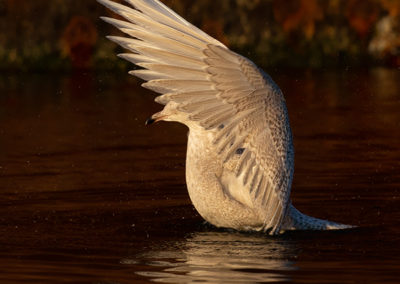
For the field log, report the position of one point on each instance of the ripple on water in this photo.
(213, 257)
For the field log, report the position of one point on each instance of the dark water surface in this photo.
(88, 194)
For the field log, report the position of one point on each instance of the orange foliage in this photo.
(298, 14)
(362, 15)
(78, 41)
(391, 6)
(345, 27)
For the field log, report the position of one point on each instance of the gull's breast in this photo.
(211, 187)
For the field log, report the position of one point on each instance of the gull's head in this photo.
(169, 113)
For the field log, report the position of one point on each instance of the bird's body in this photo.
(240, 156)
(207, 183)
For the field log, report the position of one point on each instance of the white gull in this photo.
(240, 156)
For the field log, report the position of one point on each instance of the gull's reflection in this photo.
(219, 257)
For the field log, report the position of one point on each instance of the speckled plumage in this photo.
(240, 155)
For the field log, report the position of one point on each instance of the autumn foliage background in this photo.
(68, 34)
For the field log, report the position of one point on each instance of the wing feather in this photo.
(171, 58)
(170, 85)
(182, 97)
(246, 156)
(176, 71)
(218, 119)
(148, 75)
(135, 58)
(164, 43)
(165, 15)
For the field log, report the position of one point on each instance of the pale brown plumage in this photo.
(240, 156)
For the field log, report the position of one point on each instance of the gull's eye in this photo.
(240, 151)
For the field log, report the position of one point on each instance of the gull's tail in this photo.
(295, 220)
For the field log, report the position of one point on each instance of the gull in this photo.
(240, 155)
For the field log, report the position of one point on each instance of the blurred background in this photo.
(64, 35)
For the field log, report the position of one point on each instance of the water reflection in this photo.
(219, 257)
(78, 167)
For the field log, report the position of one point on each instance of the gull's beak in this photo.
(149, 121)
(155, 118)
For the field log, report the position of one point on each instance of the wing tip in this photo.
(106, 3)
(108, 20)
(123, 41)
(125, 56)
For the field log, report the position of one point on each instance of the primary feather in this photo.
(240, 153)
